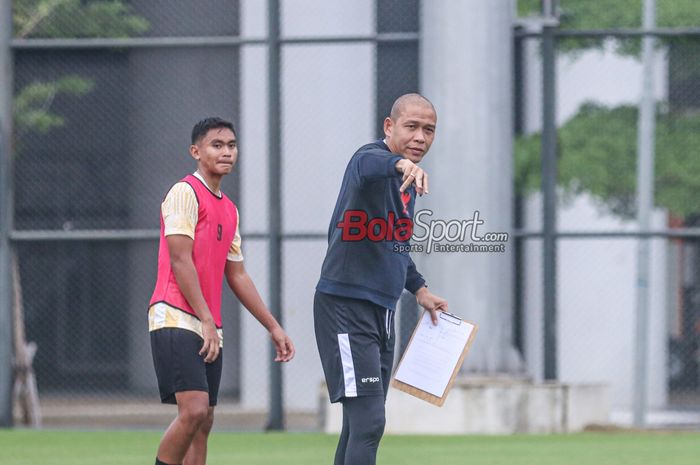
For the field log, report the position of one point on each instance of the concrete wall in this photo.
(493, 406)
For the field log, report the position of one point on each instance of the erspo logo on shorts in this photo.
(373, 379)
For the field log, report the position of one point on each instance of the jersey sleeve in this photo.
(180, 211)
(234, 252)
(414, 280)
(376, 164)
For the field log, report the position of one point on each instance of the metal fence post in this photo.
(645, 202)
(276, 415)
(549, 205)
(518, 333)
(6, 375)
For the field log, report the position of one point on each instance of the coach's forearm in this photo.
(414, 280)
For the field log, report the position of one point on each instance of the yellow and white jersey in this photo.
(162, 315)
(180, 216)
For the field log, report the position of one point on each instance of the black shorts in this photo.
(179, 367)
(355, 340)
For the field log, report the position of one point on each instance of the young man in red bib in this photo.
(200, 244)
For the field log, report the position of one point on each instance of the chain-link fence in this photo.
(105, 95)
(103, 110)
(599, 77)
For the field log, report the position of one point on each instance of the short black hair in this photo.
(203, 127)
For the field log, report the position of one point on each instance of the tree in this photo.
(64, 18)
(597, 154)
(597, 147)
(606, 14)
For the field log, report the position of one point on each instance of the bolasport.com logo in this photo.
(426, 235)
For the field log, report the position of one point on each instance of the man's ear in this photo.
(194, 151)
(388, 126)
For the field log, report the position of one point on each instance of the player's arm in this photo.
(242, 285)
(180, 248)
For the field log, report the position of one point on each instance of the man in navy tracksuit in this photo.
(365, 270)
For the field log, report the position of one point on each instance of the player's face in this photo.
(412, 133)
(216, 152)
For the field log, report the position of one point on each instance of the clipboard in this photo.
(449, 341)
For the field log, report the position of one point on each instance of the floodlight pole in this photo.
(645, 199)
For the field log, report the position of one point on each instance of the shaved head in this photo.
(402, 102)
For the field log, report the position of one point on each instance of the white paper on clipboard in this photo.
(434, 352)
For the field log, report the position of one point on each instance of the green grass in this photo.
(20, 447)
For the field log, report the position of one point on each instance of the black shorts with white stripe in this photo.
(355, 340)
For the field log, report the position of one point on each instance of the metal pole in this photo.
(663, 32)
(6, 372)
(518, 204)
(96, 43)
(645, 199)
(549, 194)
(276, 416)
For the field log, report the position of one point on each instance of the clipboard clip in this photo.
(451, 318)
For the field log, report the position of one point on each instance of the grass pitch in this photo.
(20, 447)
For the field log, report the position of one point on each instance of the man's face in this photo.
(216, 152)
(412, 133)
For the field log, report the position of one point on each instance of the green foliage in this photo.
(597, 148)
(75, 18)
(64, 18)
(609, 14)
(34, 100)
(605, 14)
(597, 154)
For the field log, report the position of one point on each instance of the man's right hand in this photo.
(412, 174)
(210, 348)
